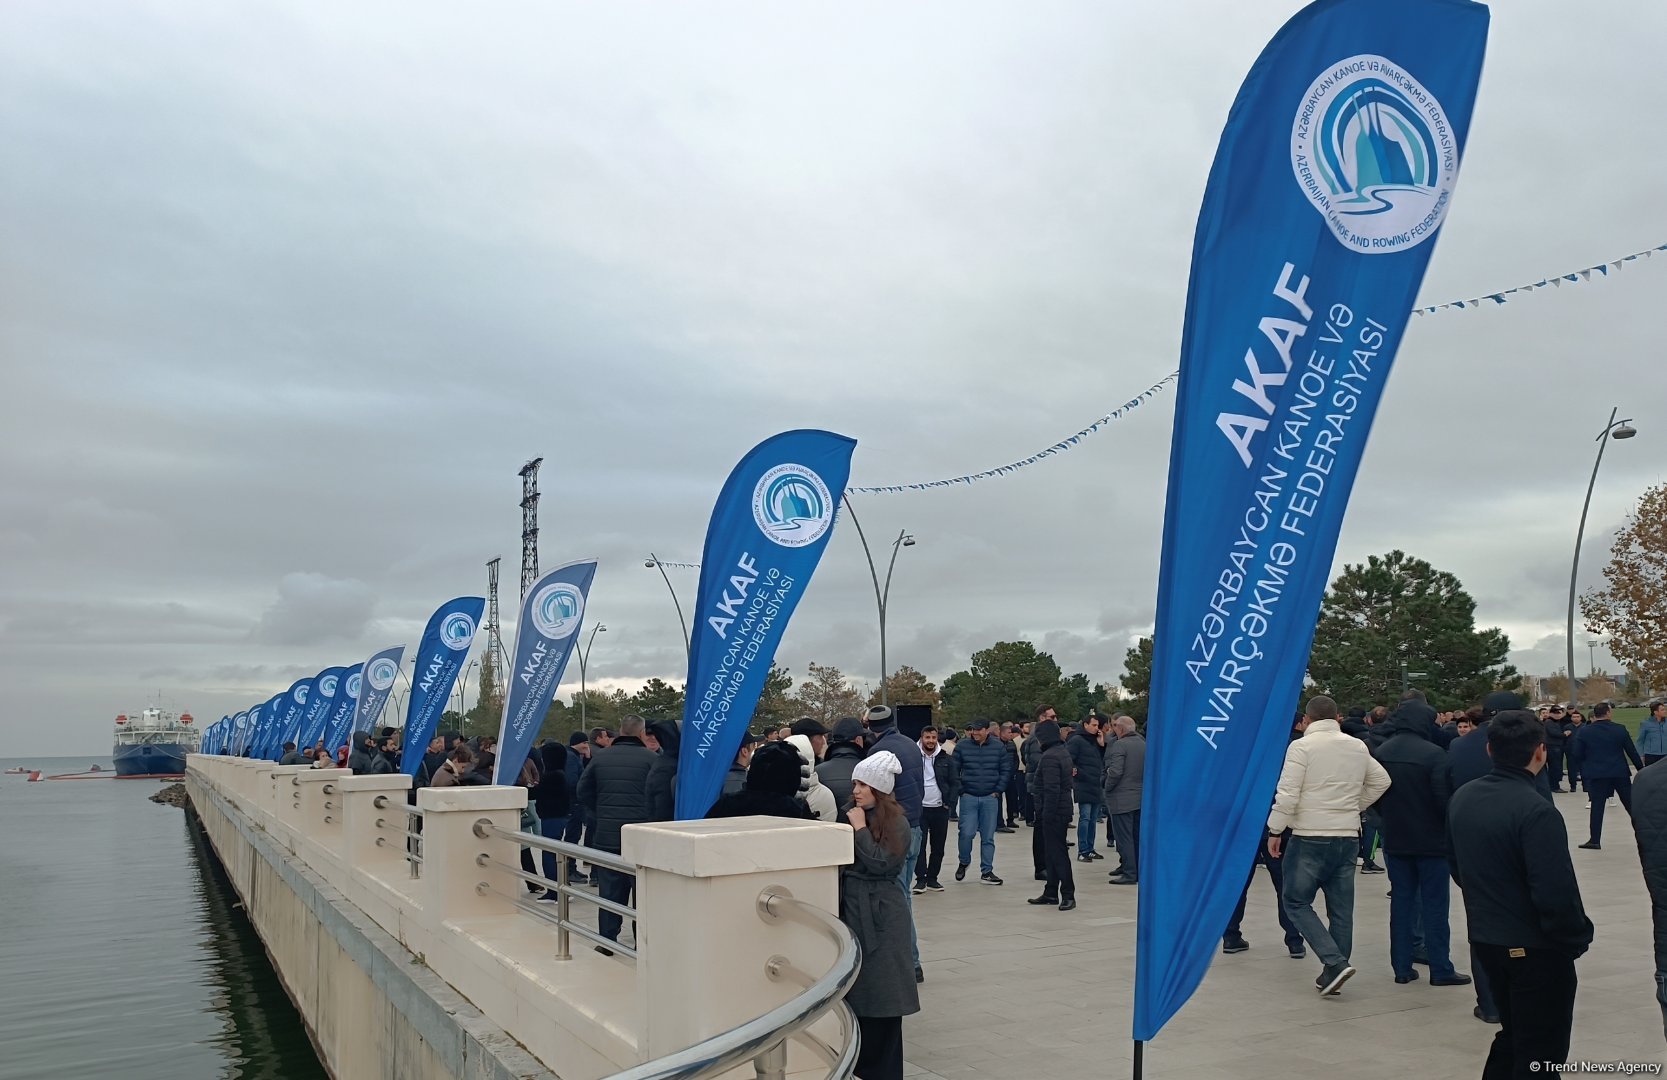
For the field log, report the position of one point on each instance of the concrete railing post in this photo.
(363, 823)
(285, 804)
(709, 874)
(319, 825)
(451, 850)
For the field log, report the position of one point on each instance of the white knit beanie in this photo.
(879, 771)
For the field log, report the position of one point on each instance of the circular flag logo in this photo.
(457, 631)
(557, 609)
(792, 506)
(1375, 155)
(381, 673)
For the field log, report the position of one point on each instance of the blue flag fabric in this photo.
(380, 671)
(551, 614)
(246, 729)
(769, 528)
(1335, 169)
(440, 656)
(320, 704)
(340, 723)
(293, 706)
(271, 719)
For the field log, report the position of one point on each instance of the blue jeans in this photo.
(1418, 897)
(917, 836)
(1088, 816)
(1315, 864)
(979, 814)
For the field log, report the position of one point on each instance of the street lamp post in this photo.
(463, 693)
(653, 563)
(584, 659)
(1613, 430)
(881, 595)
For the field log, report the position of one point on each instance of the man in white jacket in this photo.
(1328, 779)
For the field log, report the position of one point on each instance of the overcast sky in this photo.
(288, 292)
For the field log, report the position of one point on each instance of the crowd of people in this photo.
(1463, 796)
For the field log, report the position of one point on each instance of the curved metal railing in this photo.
(763, 1039)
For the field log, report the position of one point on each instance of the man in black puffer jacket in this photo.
(845, 749)
(1414, 813)
(1649, 818)
(614, 788)
(662, 778)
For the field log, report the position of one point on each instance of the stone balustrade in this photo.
(445, 897)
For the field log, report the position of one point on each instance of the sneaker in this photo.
(1234, 943)
(961, 872)
(577, 879)
(1331, 980)
(1005, 828)
(933, 885)
(988, 877)
(919, 887)
(1085, 858)
(1370, 867)
(1592, 845)
(1123, 879)
(604, 952)
(547, 898)
(1297, 952)
(1095, 855)
(1455, 979)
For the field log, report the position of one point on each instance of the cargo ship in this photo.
(153, 744)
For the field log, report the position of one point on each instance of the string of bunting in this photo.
(677, 565)
(1574, 277)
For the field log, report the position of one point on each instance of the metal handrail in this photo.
(763, 1038)
(484, 829)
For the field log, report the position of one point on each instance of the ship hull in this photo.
(150, 759)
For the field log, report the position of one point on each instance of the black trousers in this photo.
(1276, 874)
(1600, 789)
(618, 887)
(1127, 829)
(880, 1055)
(1018, 799)
(1056, 855)
(1554, 764)
(934, 821)
(1534, 989)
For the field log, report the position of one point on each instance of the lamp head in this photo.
(908, 541)
(1623, 430)
(601, 628)
(649, 563)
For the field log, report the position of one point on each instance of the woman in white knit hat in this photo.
(872, 905)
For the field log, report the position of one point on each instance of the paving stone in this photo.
(1015, 992)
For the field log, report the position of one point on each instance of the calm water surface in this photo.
(121, 953)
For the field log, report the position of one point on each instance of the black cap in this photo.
(807, 725)
(977, 725)
(747, 739)
(576, 738)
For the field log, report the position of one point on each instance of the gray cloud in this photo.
(313, 609)
(282, 293)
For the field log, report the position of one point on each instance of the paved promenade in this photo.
(1018, 992)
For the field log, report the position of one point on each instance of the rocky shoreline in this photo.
(173, 795)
